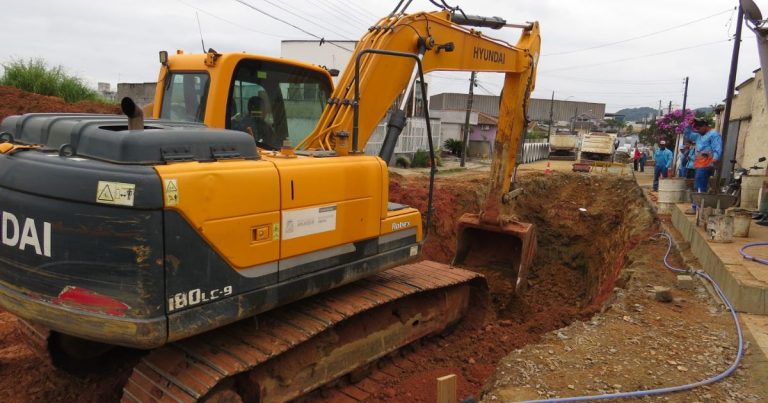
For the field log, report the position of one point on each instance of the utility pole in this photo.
(729, 95)
(551, 109)
(679, 140)
(465, 139)
(573, 121)
(669, 110)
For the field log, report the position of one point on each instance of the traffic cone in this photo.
(547, 171)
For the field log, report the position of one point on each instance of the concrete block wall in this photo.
(141, 93)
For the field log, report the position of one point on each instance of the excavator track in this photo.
(287, 352)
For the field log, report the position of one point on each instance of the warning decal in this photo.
(298, 223)
(121, 194)
(171, 192)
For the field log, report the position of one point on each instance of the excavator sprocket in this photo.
(287, 352)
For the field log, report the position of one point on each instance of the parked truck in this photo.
(563, 146)
(597, 146)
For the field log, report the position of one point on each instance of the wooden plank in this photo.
(446, 389)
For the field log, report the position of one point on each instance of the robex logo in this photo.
(397, 226)
(26, 234)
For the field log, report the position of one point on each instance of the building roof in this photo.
(486, 119)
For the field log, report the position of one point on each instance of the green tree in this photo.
(454, 146)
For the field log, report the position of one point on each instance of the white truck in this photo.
(597, 146)
(563, 146)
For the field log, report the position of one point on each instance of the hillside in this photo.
(637, 114)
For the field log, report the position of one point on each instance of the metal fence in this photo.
(413, 137)
(535, 151)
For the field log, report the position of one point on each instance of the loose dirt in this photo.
(587, 322)
(14, 101)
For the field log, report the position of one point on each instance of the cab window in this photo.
(274, 101)
(185, 96)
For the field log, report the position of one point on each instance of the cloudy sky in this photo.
(625, 53)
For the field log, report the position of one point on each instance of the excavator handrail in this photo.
(356, 105)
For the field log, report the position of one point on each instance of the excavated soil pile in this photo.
(14, 101)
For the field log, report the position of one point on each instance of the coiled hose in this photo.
(750, 257)
(672, 389)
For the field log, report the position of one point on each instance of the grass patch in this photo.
(34, 75)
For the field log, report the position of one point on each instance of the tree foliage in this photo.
(454, 146)
(34, 75)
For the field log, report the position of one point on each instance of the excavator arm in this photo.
(442, 45)
(442, 41)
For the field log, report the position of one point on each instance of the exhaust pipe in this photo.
(134, 113)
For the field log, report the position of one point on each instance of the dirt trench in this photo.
(580, 255)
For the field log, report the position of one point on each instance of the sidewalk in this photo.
(744, 282)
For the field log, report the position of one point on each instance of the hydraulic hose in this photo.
(672, 389)
(750, 257)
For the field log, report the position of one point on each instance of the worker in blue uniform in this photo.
(663, 160)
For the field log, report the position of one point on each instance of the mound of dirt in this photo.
(14, 101)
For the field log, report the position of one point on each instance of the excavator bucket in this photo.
(508, 246)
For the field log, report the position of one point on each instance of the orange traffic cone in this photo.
(547, 171)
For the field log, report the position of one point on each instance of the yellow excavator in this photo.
(251, 268)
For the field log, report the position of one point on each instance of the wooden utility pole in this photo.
(729, 97)
(465, 137)
(551, 110)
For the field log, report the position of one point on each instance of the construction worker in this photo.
(663, 158)
(709, 148)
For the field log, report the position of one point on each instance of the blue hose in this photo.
(750, 257)
(650, 392)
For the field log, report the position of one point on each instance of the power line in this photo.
(637, 57)
(638, 37)
(208, 13)
(343, 16)
(348, 13)
(616, 82)
(305, 19)
(363, 10)
(288, 23)
(485, 89)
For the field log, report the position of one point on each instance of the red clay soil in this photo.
(14, 101)
(561, 288)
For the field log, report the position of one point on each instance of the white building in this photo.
(329, 54)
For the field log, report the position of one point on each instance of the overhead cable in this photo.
(292, 25)
(210, 14)
(636, 57)
(306, 19)
(638, 37)
(324, 4)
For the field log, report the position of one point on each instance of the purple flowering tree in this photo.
(669, 126)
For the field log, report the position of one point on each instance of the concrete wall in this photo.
(538, 109)
(749, 109)
(450, 131)
(141, 93)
